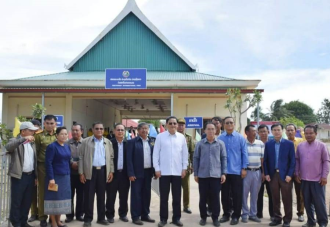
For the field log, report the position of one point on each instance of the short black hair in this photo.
(228, 118)
(216, 118)
(59, 129)
(209, 123)
(77, 124)
(314, 127)
(50, 117)
(97, 123)
(171, 117)
(247, 128)
(119, 124)
(141, 124)
(263, 126)
(295, 127)
(276, 125)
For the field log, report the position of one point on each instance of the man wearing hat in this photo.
(185, 181)
(23, 173)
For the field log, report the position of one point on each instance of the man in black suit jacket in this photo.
(140, 171)
(120, 182)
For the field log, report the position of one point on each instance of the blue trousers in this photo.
(251, 185)
(314, 193)
(21, 199)
(141, 195)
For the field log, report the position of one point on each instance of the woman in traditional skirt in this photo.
(58, 157)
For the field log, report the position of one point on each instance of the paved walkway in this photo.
(191, 220)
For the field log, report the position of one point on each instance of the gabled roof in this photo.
(131, 7)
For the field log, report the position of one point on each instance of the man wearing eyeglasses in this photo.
(42, 140)
(170, 159)
(120, 181)
(96, 168)
(237, 161)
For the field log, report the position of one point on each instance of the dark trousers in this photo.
(21, 199)
(165, 183)
(314, 193)
(300, 198)
(232, 186)
(280, 187)
(76, 188)
(260, 203)
(96, 185)
(209, 188)
(141, 195)
(120, 184)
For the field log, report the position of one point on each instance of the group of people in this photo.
(51, 170)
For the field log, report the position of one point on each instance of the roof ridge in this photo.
(30, 77)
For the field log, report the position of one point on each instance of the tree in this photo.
(38, 110)
(301, 111)
(235, 103)
(292, 120)
(323, 115)
(5, 134)
(278, 111)
(262, 116)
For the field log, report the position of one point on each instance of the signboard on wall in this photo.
(60, 120)
(126, 78)
(194, 122)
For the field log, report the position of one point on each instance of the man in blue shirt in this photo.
(237, 161)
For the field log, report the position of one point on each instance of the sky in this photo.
(283, 43)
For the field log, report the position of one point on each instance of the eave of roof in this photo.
(131, 6)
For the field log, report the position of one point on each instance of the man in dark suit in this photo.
(279, 165)
(140, 171)
(120, 182)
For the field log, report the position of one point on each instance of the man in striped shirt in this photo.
(253, 179)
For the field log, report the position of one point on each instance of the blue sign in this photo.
(126, 78)
(60, 120)
(194, 122)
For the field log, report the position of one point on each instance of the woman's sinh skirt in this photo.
(59, 202)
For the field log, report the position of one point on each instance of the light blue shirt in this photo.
(120, 164)
(99, 152)
(277, 152)
(237, 155)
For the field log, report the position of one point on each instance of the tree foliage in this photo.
(5, 134)
(292, 120)
(278, 111)
(235, 103)
(323, 115)
(38, 110)
(262, 115)
(301, 111)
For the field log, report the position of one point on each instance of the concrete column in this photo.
(68, 111)
(5, 108)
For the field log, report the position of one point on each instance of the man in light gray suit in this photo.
(96, 168)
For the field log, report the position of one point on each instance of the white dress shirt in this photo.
(99, 153)
(146, 153)
(170, 155)
(120, 162)
(28, 164)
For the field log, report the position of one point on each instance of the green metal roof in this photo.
(131, 44)
(151, 76)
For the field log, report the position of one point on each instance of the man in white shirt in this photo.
(22, 172)
(170, 159)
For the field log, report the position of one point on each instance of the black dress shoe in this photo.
(124, 219)
(275, 223)
(87, 224)
(137, 222)
(286, 224)
(148, 219)
(216, 223)
(81, 218)
(224, 219)
(33, 218)
(187, 210)
(43, 223)
(103, 222)
(162, 223)
(202, 222)
(177, 223)
(111, 220)
(68, 220)
(234, 221)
